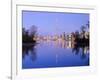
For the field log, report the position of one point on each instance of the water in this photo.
(47, 54)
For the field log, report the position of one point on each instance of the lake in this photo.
(50, 54)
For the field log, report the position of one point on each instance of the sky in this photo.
(50, 23)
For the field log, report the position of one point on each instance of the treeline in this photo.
(82, 37)
(28, 35)
(78, 37)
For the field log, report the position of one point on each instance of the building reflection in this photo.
(58, 43)
(77, 48)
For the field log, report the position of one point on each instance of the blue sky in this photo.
(49, 23)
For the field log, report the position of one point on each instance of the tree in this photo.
(32, 30)
(88, 24)
(23, 30)
(24, 35)
(28, 35)
(83, 29)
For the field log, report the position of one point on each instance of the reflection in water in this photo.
(84, 50)
(29, 49)
(55, 53)
(58, 43)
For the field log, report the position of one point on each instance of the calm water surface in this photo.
(47, 54)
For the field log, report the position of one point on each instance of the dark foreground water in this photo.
(54, 54)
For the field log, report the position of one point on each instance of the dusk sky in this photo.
(54, 23)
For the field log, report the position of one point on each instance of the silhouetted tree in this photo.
(83, 28)
(28, 35)
(32, 30)
(77, 35)
(88, 24)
